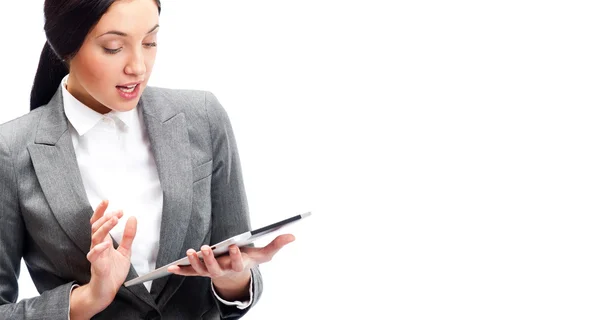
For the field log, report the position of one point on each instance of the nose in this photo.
(136, 65)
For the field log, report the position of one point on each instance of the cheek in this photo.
(149, 61)
(97, 70)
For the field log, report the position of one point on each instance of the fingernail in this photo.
(205, 252)
(190, 251)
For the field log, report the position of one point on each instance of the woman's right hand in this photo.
(109, 266)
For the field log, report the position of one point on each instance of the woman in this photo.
(166, 160)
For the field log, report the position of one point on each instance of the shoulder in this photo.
(183, 99)
(21, 131)
(197, 105)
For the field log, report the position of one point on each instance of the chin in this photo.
(125, 106)
(130, 106)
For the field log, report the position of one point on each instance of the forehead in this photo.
(133, 17)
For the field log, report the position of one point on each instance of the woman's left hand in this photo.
(230, 273)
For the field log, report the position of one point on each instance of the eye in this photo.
(112, 51)
(150, 45)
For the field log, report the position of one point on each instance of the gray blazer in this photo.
(44, 211)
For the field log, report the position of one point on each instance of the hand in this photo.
(109, 266)
(230, 273)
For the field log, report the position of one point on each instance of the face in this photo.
(113, 66)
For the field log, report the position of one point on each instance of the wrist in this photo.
(83, 304)
(233, 287)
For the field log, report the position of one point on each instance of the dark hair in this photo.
(67, 22)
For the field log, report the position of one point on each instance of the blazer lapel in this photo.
(56, 167)
(168, 134)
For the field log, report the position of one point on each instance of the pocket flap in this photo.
(202, 171)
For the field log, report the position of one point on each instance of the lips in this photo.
(128, 87)
(129, 91)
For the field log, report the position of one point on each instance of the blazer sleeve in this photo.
(52, 304)
(229, 204)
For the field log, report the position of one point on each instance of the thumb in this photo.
(272, 248)
(128, 236)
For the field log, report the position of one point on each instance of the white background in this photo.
(448, 149)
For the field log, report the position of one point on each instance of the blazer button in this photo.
(152, 315)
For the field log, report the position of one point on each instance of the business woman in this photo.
(106, 179)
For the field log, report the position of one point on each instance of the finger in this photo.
(184, 271)
(196, 264)
(102, 232)
(101, 221)
(272, 248)
(212, 265)
(99, 212)
(97, 250)
(128, 236)
(237, 262)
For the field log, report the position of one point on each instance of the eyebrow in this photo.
(123, 34)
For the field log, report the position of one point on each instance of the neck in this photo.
(84, 97)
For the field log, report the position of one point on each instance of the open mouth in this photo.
(128, 89)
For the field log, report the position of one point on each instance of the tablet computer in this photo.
(241, 240)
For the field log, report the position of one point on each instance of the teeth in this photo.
(128, 90)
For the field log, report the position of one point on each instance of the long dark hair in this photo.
(67, 24)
